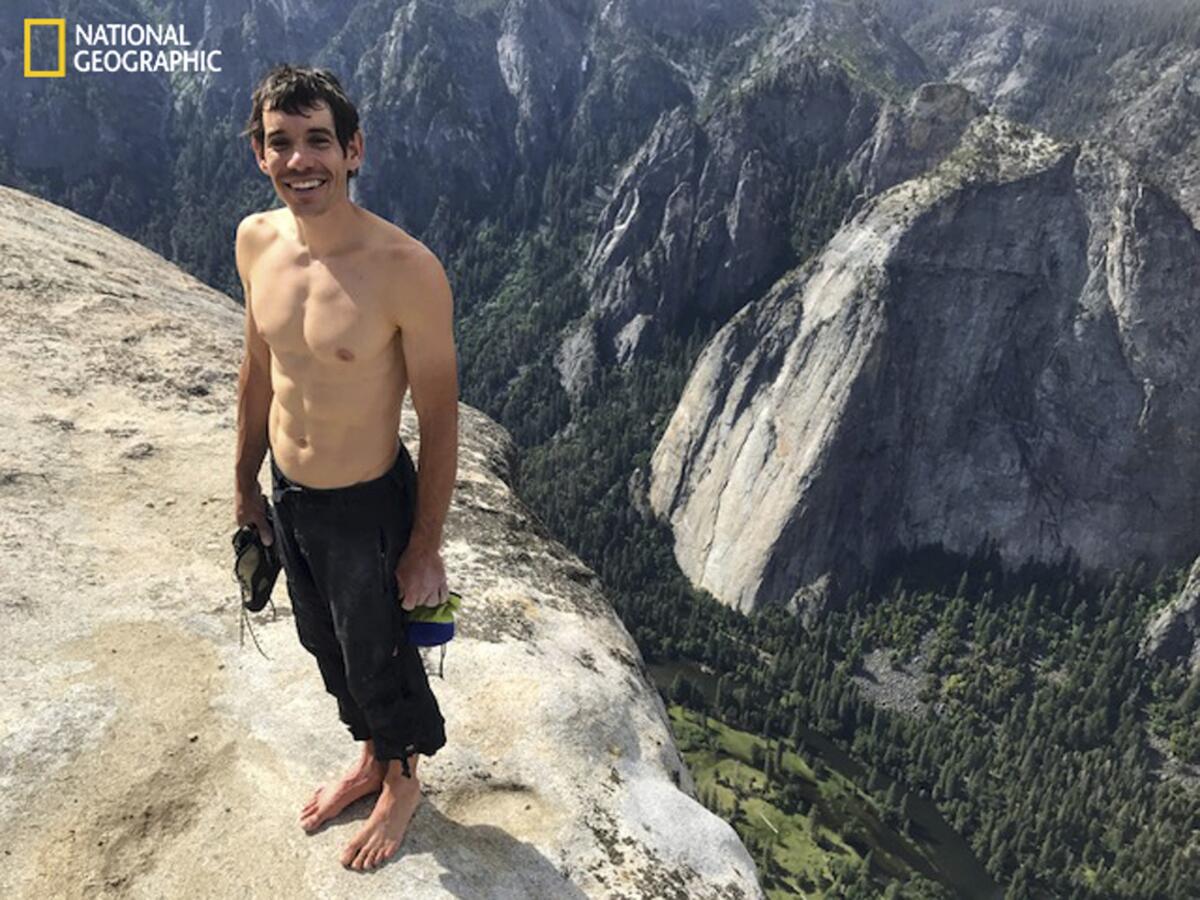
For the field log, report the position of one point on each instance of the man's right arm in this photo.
(254, 391)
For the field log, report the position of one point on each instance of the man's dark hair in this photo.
(296, 90)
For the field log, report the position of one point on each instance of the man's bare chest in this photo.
(334, 317)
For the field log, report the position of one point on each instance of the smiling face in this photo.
(306, 164)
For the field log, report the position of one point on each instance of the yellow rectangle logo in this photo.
(61, 25)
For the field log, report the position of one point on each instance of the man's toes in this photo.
(355, 848)
(360, 860)
(351, 850)
(386, 852)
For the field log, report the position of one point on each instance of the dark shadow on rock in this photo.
(488, 863)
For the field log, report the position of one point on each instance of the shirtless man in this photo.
(345, 312)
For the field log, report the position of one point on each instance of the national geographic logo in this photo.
(113, 47)
(60, 25)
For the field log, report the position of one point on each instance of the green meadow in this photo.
(812, 832)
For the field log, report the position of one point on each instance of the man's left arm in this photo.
(427, 338)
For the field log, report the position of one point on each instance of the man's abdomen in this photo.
(333, 434)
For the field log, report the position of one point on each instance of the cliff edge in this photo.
(143, 752)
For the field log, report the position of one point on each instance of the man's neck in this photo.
(331, 233)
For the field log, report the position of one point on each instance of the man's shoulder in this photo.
(255, 232)
(410, 270)
(259, 226)
(396, 249)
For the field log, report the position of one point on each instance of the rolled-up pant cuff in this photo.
(386, 750)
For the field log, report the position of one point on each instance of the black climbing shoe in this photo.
(256, 566)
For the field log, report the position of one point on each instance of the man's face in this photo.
(304, 160)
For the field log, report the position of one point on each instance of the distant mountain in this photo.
(1004, 349)
(700, 219)
(1124, 73)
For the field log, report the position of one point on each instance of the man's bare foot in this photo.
(330, 799)
(381, 836)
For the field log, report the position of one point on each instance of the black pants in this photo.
(339, 548)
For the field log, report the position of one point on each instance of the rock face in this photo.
(435, 100)
(697, 222)
(1174, 634)
(144, 752)
(1001, 55)
(1154, 117)
(1005, 348)
(1146, 102)
(911, 138)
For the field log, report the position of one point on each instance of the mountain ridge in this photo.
(782, 425)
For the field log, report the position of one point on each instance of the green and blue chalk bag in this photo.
(429, 626)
